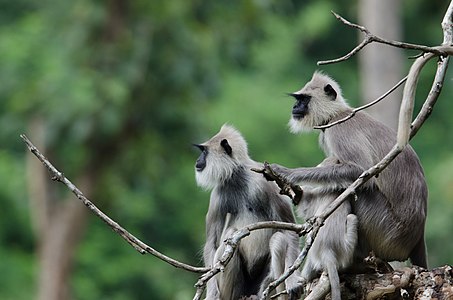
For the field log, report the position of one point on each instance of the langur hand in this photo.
(280, 175)
(279, 172)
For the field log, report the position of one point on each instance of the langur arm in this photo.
(340, 175)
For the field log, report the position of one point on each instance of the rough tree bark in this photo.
(406, 283)
(381, 66)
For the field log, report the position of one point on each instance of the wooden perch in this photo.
(407, 283)
(293, 191)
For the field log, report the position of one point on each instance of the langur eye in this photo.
(226, 147)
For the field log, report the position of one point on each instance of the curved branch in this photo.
(355, 110)
(131, 239)
(407, 104)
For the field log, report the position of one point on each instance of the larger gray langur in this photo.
(240, 197)
(333, 248)
(391, 208)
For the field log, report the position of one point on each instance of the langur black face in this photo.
(300, 108)
(200, 164)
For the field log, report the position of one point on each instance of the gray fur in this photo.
(392, 207)
(247, 198)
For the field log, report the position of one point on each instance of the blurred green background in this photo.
(114, 93)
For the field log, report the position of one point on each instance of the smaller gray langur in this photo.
(391, 207)
(333, 248)
(240, 197)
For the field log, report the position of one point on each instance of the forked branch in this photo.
(443, 50)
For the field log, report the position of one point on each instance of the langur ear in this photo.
(330, 91)
(226, 147)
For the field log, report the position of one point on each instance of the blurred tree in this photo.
(381, 66)
(114, 81)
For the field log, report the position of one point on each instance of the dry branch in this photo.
(443, 50)
(406, 283)
(293, 191)
(131, 239)
(232, 243)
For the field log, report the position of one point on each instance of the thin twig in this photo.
(138, 245)
(443, 50)
(355, 110)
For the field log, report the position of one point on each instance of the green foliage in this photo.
(124, 88)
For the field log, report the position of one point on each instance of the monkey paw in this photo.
(280, 172)
(296, 292)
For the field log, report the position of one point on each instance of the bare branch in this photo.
(442, 65)
(132, 240)
(355, 110)
(353, 52)
(447, 26)
(407, 104)
(443, 50)
(433, 95)
(231, 245)
(321, 289)
(293, 191)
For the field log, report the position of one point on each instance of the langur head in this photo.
(316, 103)
(220, 156)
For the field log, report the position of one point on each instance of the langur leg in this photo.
(284, 248)
(351, 233)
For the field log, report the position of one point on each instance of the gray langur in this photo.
(333, 248)
(240, 197)
(391, 208)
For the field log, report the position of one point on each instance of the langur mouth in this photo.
(298, 116)
(199, 168)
